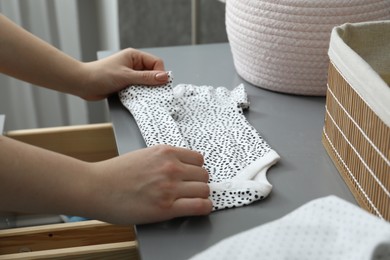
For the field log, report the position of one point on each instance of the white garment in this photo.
(324, 229)
(208, 120)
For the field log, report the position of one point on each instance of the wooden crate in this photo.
(356, 132)
(91, 143)
(359, 144)
(80, 240)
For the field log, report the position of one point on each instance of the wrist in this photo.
(83, 200)
(90, 193)
(90, 82)
(83, 80)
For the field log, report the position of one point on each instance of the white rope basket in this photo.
(282, 45)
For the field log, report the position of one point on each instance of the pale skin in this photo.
(144, 186)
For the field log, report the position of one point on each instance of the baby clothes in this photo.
(322, 229)
(208, 120)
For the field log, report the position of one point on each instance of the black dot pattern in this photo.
(234, 198)
(211, 121)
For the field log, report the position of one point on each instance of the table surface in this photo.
(291, 124)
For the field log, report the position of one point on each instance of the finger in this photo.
(150, 62)
(146, 77)
(193, 189)
(189, 156)
(194, 173)
(191, 207)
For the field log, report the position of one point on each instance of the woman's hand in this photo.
(147, 185)
(26, 57)
(115, 72)
(153, 184)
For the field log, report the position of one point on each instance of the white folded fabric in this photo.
(323, 229)
(208, 120)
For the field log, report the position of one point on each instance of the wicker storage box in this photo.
(357, 122)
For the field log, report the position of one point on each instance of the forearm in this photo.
(26, 57)
(148, 185)
(39, 181)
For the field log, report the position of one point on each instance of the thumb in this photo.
(145, 77)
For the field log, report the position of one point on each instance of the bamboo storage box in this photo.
(80, 240)
(356, 134)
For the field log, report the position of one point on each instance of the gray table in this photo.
(292, 125)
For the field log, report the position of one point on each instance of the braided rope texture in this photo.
(282, 45)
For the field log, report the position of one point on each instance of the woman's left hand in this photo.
(129, 66)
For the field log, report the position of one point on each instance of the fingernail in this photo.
(161, 76)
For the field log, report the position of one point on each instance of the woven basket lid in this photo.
(282, 45)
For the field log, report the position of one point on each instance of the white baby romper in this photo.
(208, 120)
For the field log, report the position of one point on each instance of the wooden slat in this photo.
(93, 142)
(122, 250)
(63, 235)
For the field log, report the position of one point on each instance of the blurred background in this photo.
(81, 28)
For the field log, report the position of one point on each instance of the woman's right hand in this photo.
(149, 185)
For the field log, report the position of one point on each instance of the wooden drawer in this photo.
(80, 240)
(91, 143)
